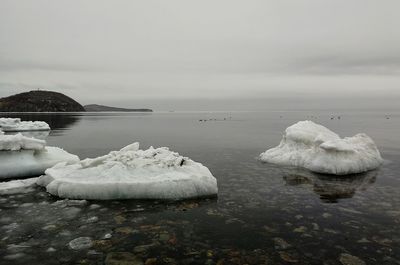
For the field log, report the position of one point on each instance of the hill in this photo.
(39, 101)
(99, 108)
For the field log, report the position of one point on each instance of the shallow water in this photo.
(264, 214)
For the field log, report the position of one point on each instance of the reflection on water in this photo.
(330, 188)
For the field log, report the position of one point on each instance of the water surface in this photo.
(264, 214)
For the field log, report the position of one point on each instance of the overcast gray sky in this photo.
(186, 54)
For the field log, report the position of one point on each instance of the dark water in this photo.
(264, 214)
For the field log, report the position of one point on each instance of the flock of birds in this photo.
(224, 119)
(308, 117)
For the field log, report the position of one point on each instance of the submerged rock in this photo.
(81, 243)
(312, 146)
(347, 259)
(281, 244)
(131, 174)
(122, 258)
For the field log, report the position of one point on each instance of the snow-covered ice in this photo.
(42, 135)
(9, 121)
(17, 186)
(16, 125)
(18, 142)
(312, 146)
(131, 174)
(22, 156)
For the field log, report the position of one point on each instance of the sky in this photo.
(208, 54)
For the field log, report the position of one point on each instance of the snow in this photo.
(312, 146)
(131, 174)
(17, 186)
(16, 125)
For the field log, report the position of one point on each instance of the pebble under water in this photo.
(264, 214)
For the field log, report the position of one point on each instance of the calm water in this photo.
(264, 214)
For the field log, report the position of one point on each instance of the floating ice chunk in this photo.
(107, 236)
(312, 146)
(22, 156)
(94, 206)
(131, 174)
(51, 249)
(25, 163)
(17, 186)
(76, 202)
(92, 219)
(16, 125)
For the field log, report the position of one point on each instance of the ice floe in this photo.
(41, 135)
(17, 186)
(16, 125)
(18, 142)
(22, 156)
(312, 146)
(131, 174)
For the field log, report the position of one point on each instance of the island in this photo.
(99, 108)
(39, 101)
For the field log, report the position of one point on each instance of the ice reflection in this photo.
(330, 188)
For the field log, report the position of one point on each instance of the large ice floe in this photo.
(16, 125)
(22, 156)
(312, 146)
(131, 174)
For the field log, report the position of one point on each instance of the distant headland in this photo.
(49, 101)
(98, 108)
(39, 101)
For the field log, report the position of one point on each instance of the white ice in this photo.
(16, 125)
(131, 174)
(312, 146)
(17, 186)
(18, 142)
(22, 156)
(42, 135)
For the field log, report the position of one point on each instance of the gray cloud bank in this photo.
(194, 53)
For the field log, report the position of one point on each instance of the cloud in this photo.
(127, 50)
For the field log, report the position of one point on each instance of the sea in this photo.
(263, 214)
